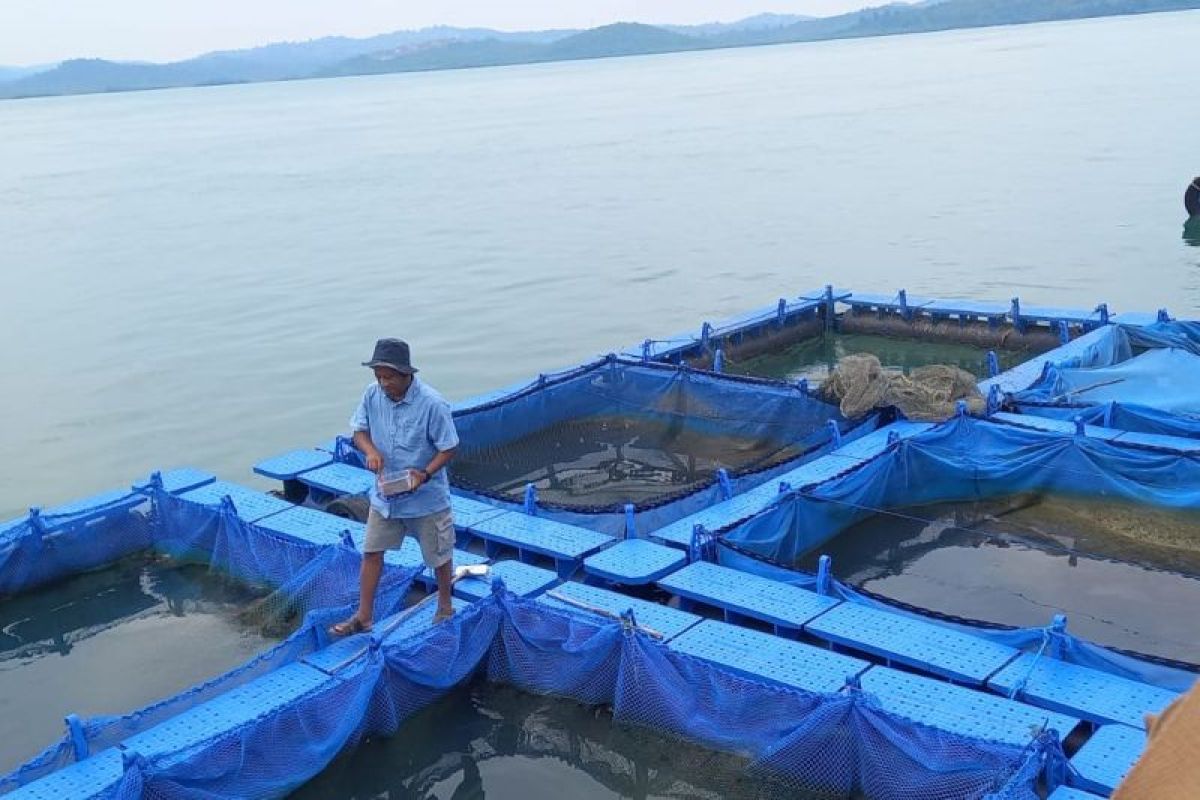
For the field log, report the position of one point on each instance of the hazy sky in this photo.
(39, 31)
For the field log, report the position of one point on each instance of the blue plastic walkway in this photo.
(316, 469)
(289, 466)
(633, 562)
(1023, 375)
(308, 525)
(733, 327)
(654, 617)
(901, 639)
(338, 479)
(251, 505)
(961, 710)
(177, 481)
(566, 545)
(1096, 696)
(748, 504)
(269, 693)
(763, 655)
(970, 309)
(85, 779)
(521, 579)
(113, 503)
(741, 594)
(1106, 758)
(78, 512)
(1156, 440)
(1069, 793)
(412, 621)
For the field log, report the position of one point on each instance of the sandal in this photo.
(349, 627)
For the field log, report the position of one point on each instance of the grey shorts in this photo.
(434, 531)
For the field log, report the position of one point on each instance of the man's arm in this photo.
(443, 437)
(362, 440)
(440, 459)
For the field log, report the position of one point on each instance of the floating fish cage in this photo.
(655, 530)
(621, 445)
(1005, 331)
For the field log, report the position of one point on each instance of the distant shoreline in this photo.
(456, 49)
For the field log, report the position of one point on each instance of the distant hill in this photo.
(279, 61)
(621, 39)
(756, 23)
(456, 48)
(303, 59)
(16, 73)
(90, 75)
(937, 15)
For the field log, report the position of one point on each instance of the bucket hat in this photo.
(392, 353)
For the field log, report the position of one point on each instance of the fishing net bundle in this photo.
(859, 383)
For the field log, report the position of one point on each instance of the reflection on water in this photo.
(110, 642)
(606, 460)
(813, 359)
(1019, 560)
(1191, 232)
(496, 742)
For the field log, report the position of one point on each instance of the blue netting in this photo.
(312, 586)
(619, 432)
(46, 547)
(825, 745)
(1140, 419)
(828, 745)
(1058, 644)
(305, 578)
(963, 460)
(967, 459)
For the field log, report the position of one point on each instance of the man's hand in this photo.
(419, 476)
(362, 440)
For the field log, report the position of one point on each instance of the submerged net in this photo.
(617, 432)
(931, 393)
(617, 459)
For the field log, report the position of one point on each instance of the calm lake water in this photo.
(111, 642)
(193, 276)
(1113, 568)
(484, 740)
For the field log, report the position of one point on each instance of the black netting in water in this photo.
(815, 358)
(615, 459)
(619, 432)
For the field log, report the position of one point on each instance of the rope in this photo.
(603, 612)
(1019, 686)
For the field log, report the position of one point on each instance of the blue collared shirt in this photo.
(408, 434)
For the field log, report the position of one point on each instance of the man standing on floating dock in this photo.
(406, 431)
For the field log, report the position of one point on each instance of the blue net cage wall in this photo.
(311, 586)
(966, 459)
(969, 459)
(650, 430)
(268, 727)
(616, 435)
